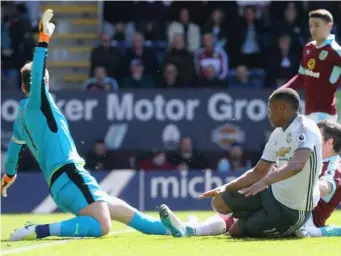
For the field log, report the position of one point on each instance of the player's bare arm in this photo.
(293, 167)
(252, 176)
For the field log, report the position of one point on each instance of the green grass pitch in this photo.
(124, 241)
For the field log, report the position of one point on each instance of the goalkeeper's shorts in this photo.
(73, 189)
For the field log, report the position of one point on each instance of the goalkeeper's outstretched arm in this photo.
(39, 75)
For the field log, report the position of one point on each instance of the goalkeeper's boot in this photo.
(28, 232)
(172, 222)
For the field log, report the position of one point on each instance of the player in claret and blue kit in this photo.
(320, 70)
(43, 128)
(329, 183)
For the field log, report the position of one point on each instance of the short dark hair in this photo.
(322, 14)
(288, 95)
(26, 75)
(331, 130)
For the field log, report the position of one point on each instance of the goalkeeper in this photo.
(43, 128)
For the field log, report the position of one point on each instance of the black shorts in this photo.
(263, 216)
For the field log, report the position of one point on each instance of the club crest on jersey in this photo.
(323, 55)
(311, 63)
(282, 151)
(289, 137)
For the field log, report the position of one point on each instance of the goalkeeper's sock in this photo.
(147, 224)
(213, 226)
(331, 231)
(81, 226)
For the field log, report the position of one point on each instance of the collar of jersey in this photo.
(289, 122)
(329, 40)
(334, 159)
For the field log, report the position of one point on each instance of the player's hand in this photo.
(6, 182)
(254, 189)
(212, 193)
(46, 28)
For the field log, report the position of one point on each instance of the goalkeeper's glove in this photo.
(46, 28)
(6, 182)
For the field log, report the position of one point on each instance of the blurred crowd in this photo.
(202, 44)
(168, 44)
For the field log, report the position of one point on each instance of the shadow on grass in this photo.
(42, 240)
(227, 238)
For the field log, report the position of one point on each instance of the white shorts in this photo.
(320, 116)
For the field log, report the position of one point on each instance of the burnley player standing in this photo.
(320, 70)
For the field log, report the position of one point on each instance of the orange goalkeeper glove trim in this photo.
(8, 179)
(42, 36)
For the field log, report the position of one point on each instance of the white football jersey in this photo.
(301, 191)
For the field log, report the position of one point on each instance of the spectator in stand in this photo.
(139, 51)
(98, 158)
(250, 39)
(243, 79)
(186, 158)
(181, 58)
(210, 80)
(137, 78)
(158, 162)
(211, 55)
(235, 161)
(16, 43)
(187, 28)
(100, 82)
(291, 25)
(119, 33)
(282, 63)
(9, 74)
(105, 55)
(170, 77)
(216, 25)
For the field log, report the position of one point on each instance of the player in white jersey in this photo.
(277, 210)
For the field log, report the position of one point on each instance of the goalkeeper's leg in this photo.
(123, 212)
(324, 231)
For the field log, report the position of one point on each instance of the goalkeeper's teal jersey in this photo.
(41, 125)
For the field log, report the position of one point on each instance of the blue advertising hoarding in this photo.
(143, 190)
(149, 119)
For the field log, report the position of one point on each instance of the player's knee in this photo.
(104, 219)
(219, 205)
(234, 230)
(99, 211)
(105, 226)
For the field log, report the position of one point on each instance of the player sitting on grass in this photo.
(330, 184)
(320, 71)
(43, 128)
(330, 190)
(278, 210)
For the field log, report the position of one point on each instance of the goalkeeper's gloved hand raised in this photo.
(6, 182)
(46, 28)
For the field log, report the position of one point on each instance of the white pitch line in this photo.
(33, 247)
